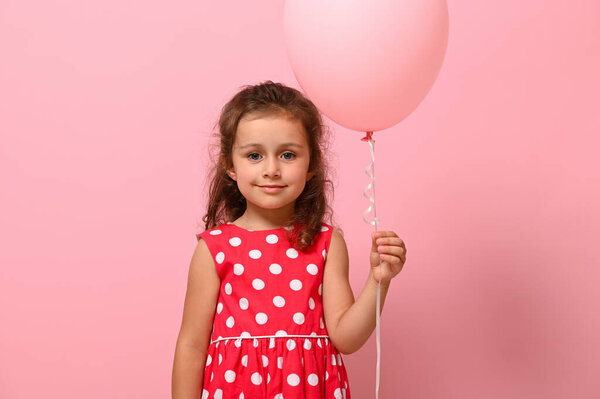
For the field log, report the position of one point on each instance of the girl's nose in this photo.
(271, 168)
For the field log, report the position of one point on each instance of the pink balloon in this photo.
(367, 64)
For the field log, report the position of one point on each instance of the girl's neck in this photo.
(264, 220)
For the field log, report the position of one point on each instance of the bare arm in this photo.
(196, 326)
(349, 322)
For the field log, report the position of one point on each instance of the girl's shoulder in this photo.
(331, 230)
(213, 232)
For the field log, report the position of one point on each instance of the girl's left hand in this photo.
(388, 255)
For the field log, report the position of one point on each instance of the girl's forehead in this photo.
(270, 131)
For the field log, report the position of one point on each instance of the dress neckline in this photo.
(259, 231)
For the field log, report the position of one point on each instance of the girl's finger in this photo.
(390, 258)
(385, 233)
(391, 250)
(390, 241)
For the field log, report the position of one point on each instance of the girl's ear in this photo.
(229, 170)
(231, 173)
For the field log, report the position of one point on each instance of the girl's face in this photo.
(270, 158)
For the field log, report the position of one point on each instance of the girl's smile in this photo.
(272, 189)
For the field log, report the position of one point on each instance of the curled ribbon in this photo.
(370, 172)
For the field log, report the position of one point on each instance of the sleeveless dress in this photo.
(269, 338)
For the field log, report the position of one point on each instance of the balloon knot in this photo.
(368, 137)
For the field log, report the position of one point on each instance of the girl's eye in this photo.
(251, 156)
(289, 155)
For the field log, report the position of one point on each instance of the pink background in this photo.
(105, 110)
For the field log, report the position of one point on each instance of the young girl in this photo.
(269, 309)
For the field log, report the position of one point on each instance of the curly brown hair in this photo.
(225, 201)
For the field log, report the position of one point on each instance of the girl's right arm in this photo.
(196, 326)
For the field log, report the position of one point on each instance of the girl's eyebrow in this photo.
(260, 145)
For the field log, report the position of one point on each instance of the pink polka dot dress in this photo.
(269, 338)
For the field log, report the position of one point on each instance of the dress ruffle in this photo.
(275, 368)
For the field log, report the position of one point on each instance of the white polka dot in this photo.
(271, 343)
(212, 374)
(324, 228)
(275, 268)
(311, 303)
(238, 269)
(228, 289)
(307, 344)
(343, 393)
(243, 303)
(278, 396)
(208, 360)
(241, 395)
(219, 307)
(346, 384)
(238, 343)
(319, 342)
(272, 239)
(258, 284)
(337, 393)
(296, 285)
(339, 359)
(235, 241)
(265, 361)
(204, 394)
(293, 379)
(280, 362)
(312, 269)
(245, 360)
(245, 334)
(281, 333)
(291, 253)
(218, 393)
(255, 343)
(313, 379)
(215, 232)
(324, 254)
(279, 301)
(332, 359)
(220, 358)
(298, 318)
(291, 345)
(268, 378)
(326, 375)
(230, 321)
(254, 254)
(321, 289)
(256, 379)
(220, 257)
(261, 318)
(230, 376)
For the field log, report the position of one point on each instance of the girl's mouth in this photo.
(271, 188)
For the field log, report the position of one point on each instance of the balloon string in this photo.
(370, 172)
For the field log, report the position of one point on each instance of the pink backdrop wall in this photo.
(105, 109)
